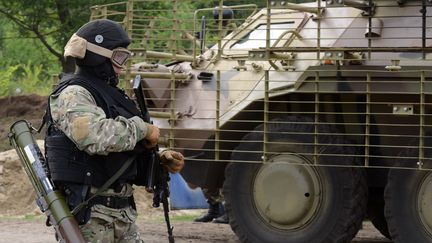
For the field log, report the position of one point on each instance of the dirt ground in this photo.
(152, 231)
(21, 220)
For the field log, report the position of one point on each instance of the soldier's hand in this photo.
(152, 136)
(172, 161)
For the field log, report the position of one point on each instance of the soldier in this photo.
(95, 136)
(228, 21)
(216, 211)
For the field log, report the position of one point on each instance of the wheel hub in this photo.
(425, 202)
(287, 191)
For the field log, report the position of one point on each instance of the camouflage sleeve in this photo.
(74, 111)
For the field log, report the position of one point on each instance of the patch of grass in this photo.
(27, 217)
(159, 218)
(184, 218)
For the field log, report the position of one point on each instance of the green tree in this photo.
(51, 22)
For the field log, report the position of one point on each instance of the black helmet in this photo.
(227, 14)
(104, 33)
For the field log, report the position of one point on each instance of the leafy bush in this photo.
(24, 79)
(32, 80)
(6, 75)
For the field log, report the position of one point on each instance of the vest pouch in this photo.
(65, 162)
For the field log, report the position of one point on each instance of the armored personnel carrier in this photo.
(312, 117)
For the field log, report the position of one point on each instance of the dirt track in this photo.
(154, 231)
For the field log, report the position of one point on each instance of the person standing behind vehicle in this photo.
(216, 212)
(95, 131)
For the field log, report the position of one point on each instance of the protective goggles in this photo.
(77, 47)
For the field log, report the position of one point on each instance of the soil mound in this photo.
(27, 107)
(17, 196)
(23, 106)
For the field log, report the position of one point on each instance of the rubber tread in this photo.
(355, 209)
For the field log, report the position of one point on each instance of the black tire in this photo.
(338, 200)
(408, 218)
(375, 211)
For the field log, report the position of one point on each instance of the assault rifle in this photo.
(49, 200)
(157, 177)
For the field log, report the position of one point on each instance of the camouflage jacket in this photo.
(74, 112)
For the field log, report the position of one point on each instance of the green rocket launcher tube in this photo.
(50, 201)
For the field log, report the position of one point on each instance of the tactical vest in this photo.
(69, 164)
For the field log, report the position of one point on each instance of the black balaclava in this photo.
(103, 71)
(107, 34)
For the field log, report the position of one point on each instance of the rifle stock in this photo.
(49, 200)
(157, 176)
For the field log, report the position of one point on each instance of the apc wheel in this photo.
(286, 199)
(408, 204)
(408, 197)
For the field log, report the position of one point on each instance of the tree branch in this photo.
(33, 28)
(46, 44)
(15, 19)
